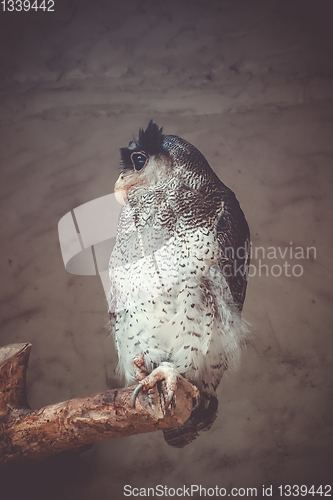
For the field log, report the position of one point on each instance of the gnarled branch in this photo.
(33, 435)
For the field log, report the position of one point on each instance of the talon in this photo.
(169, 399)
(136, 393)
(158, 374)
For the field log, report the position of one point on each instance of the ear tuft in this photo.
(151, 140)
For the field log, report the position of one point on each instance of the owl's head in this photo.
(154, 159)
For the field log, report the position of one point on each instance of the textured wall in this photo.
(249, 83)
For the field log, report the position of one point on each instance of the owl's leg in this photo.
(162, 372)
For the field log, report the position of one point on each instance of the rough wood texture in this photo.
(33, 435)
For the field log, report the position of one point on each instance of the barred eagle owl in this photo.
(178, 273)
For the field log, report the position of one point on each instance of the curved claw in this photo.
(169, 398)
(136, 393)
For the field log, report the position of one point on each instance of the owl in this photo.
(178, 274)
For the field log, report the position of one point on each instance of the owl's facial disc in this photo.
(125, 182)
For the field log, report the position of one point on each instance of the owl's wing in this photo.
(233, 236)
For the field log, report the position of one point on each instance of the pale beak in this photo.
(119, 191)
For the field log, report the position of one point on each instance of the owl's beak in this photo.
(119, 191)
(124, 185)
(121, 196)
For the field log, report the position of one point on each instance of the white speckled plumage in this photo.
(171, 300)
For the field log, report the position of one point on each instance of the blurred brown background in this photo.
(250, 84)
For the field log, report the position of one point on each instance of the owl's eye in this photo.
(139, 160)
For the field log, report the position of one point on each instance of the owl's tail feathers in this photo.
(201, 419)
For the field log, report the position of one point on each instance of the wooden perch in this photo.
(32, 435)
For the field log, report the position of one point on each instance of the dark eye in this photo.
(139, 160)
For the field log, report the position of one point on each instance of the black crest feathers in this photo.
(151, 140)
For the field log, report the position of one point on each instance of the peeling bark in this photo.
(28, 436)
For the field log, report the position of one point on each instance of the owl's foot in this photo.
(140, 371)
(160, 373)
